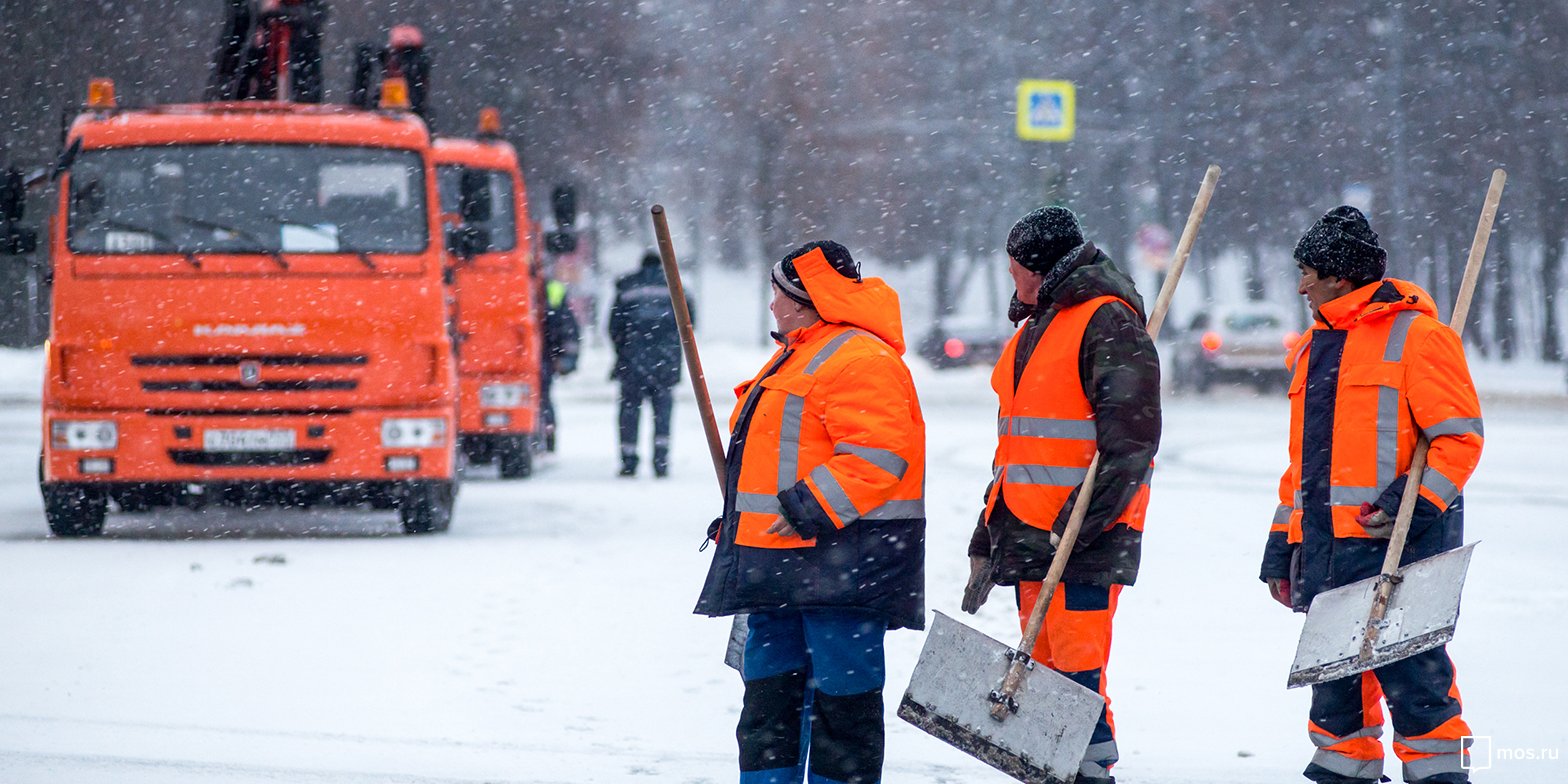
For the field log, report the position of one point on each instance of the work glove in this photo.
(978, 589)
(1279, 588)
(1375, 521)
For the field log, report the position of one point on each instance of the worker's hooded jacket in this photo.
(828, 435)
(1080, 376)
(1376, 371)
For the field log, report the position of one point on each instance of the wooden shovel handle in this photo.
(699, 382)
(1413, 477)
(1015, 673)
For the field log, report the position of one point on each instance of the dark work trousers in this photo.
(1430, 734)
(813, 705)
(633, 392)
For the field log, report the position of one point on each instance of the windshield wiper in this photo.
(364, 258)
(261, 246)
(155, 234)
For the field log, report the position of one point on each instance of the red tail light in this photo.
(953, 348)
(1211, 341)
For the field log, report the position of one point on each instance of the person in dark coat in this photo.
(647, 358)
(1081, 375)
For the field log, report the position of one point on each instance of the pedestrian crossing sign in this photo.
(1046, 110)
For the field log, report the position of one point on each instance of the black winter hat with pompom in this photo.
(1041, 238)
(1343, 245)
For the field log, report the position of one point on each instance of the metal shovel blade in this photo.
(1422, 612)
(735, 649)
(948, 696)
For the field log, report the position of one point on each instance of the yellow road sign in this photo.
(1046, 110)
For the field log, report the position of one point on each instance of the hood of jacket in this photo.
(1378, 299)
(1092, 274)
(869, 303)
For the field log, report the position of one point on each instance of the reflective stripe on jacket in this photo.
(833, 423)
(1046, 427)
(852, 444)
(1376, 370)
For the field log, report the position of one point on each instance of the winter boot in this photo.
(628, 460)
(661, 460)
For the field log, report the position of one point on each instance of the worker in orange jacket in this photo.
(1081, 375)
(1377, 370)
(822, 539)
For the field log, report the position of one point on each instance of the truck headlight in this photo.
(84, 434)
(403, 433)
(502, 395)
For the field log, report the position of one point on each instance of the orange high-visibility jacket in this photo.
(1376, 370)
(1045, 426)
(831, 424)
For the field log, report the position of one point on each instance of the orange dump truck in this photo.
(496, 318)
(248, 308)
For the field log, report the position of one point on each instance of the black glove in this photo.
(978, 589)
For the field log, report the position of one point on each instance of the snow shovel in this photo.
(699, 385)
(1400, 612)
(991, 701)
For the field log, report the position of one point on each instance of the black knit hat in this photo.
(651, 259)
(1343, 245)
(1041, 238)
(788, 279)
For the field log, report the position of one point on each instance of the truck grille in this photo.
(251, 376)
(292, 457)
(281, 385)
(210, 360)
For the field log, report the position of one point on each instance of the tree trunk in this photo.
(1505, 329)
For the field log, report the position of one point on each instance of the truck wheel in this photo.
(75, 510)
(426, 507)
(514, 455)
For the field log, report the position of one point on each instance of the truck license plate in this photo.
(247, 440)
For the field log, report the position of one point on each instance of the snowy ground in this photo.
(548, 636)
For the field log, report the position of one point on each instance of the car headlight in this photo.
(402, 433)
(502, 395)
(79, 434)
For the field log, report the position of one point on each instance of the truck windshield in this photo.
(502, 226)
(248, 198)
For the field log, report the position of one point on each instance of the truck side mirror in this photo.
(560, 241)
(12, 196)
(474, 190)
(14, 240)
(467, 241)
(563, 202)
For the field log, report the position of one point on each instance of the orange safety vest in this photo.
(1045, 425)
(855, 435)
(1401, 373)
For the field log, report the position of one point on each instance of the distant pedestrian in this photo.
(1376, 371)
(562, 342)
(647, 358)
(822, 538)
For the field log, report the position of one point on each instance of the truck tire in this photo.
(426, 507)
(515, 457)
(75, 510)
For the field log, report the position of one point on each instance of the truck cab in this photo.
(248, 307)
(491, 249)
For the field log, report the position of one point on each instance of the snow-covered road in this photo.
(548, 636)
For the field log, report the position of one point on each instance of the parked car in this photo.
(1235, 344)
(956, 343)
